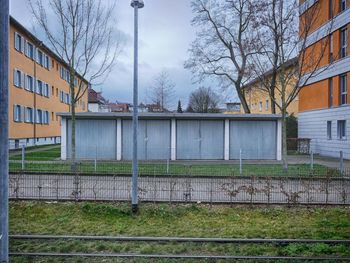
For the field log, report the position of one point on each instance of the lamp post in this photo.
(4, 86)
(136, 4)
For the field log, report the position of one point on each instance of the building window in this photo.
(39, 87)
(40, 58)
(331, 48)
(260, 106)
(343, 89)
(45, 119)
(329, 130)
(342, 5)
(330, 92)
(17, 78)
(30, 50)
(343, 42)
(18, 42)
(30, 83)
(17, 113)
(341, 127)
(267, 104)
(47, 62)
(29, 115)
(45, 91)
(39, 116)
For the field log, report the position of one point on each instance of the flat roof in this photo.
(149, 115)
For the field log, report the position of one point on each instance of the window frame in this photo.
(29, 110)
(341, 129)
(329, 130)
(343, 5)
(343, 89)
(343, 42)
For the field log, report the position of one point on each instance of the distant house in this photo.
(96, 102)
(233, 108)
(119, 107)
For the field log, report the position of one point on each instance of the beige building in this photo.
(38, 90)
(259, 100)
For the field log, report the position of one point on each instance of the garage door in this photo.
(153, 140)
(94, 138)
(257, 139)
(200, 140)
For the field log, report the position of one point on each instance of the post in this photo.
(4, 140)
(23, 157)
(240, 161)
(96, 159)
(136, 4)
(341, 162)
(312, 160)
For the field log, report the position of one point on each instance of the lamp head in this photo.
(139, 3)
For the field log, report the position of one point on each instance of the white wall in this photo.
(313, 125)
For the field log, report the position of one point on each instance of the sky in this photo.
(165, 35)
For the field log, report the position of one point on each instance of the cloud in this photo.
(165, 34)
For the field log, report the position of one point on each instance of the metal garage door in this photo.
(257, 139)
(200, 140)
(153, 140)
(94, 138)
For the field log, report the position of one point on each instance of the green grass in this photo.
(176, 168)
(90, 218)
(42, 155)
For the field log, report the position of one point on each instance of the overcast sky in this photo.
(165, 34)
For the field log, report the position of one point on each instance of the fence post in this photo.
(96, 159)
(240, 161)
(312, 160)
(23, 157)
(341, 163)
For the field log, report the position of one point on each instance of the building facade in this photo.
(324, 110)
(259, 100)
(38, 90)
(174, 136)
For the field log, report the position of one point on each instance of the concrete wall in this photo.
(313, 125)
(174, 139)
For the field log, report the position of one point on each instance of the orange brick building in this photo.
(38, 90)
(324, 110)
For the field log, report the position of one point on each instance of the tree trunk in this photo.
(243, 100)
(284, 140)
(73, 145)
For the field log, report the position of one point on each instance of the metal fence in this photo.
(209, 189)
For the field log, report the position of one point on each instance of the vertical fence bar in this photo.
(23, 157)
(341, 163)
(240, 161)
(312, 160)
(96, 159)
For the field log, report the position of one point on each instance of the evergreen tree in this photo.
(179, 107)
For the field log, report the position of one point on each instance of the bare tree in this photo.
(162, 90)
(286, 53)
(224, 43)
(204, 100)
(81, 34)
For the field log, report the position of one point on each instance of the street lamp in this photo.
(136, 4)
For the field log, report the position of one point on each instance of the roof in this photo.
(38, 42)
(148, 115)
(96, 97)
(288, 63)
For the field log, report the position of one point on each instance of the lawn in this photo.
(90, 218)
(38, 153)
(46, 160)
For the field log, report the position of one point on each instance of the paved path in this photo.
(183, 189)
(330, 162)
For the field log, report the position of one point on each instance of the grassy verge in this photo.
(39, 153)
(122, 167)
(181, 220)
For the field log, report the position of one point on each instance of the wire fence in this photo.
(214, 189)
